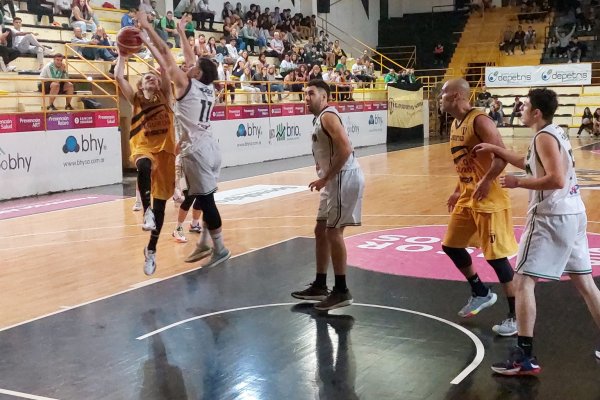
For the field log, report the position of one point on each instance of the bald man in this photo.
(480, 207)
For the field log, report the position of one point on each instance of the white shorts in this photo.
(554, 244)
(201, 166)
(341, 199)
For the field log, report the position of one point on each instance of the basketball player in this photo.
(152, 142)
(200, 153)
(342, 181)
(480, 208)
(554, 241)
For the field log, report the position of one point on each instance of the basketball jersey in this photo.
(152, 128)
(471, 169)
(193, 111)
(322, 145)
(566, 200)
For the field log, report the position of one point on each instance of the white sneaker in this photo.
(198, 254)
(217, 259)
(179, 236)
(150, 261)
(137, 206)
(149, 221)
(508, 327)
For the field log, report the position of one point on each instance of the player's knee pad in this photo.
(210, 213)
(187, 201)
(460, 257)
(144, 165)
(503, 269)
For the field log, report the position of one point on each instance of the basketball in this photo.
(129, 40)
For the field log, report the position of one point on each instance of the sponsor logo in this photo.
(285, 131)
(564, 76)
(249, 130)
(351, 127)
(508, 77)
(14, 162)
(84, 120)
(375, 119)
(88, 144)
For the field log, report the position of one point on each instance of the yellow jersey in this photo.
(471, 169)
(152, 129)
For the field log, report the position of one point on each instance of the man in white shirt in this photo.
(232, 50)
(26, 43)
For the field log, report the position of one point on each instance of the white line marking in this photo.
(459, 378)
(132, 289)
(24, 395)
(145, 283)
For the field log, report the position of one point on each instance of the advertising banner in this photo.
(366, 128)
(51, 161)
(242, 141)
(289, 137)
(539, 75)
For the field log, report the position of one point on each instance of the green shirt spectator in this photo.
(391, 77)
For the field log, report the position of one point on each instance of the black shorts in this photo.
(61, 90)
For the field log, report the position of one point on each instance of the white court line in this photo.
(132, 288)
(459, 378)
(24, 395)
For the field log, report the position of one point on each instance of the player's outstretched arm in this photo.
(124, 85)
(165, 77)
(188, 52)
(164, 57)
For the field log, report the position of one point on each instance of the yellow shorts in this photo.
(491, 232)
(163, 174)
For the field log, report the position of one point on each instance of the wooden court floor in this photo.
(57, 260)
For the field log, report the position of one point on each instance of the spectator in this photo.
(259, 79)
(261, 35)
(248, 36)
(302, 73)
(56, 69)
(226, 79)
(127, 19)
(26, 43)
(202, 13)
(188, 27)
(496, 112)
(563, 41)
(360, 72)
(227, 11)
(101, 39)
(484, 98)
(587, 122)
(7, 52)
(222, 51)
(530, 38)
(438, 54)
(286, 65)
(232, 49)
(315, 73)
(41, 8)
(247, 86)
(391, 77)
(516, 111)
(553, 47)
(575, 50)
(62, 7)
(168, 25)
(338, 52)
(89, 53)
(341, 65)
(597, 122)
(11, 7)
(519, 39)
(273, 87)
(201, 48)
(82, 15)
(507, 44)
(276, 47)
(211, 47)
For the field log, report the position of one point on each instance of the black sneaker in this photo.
(313, 292)
(51, 108)
(517, 364)
(336, 299)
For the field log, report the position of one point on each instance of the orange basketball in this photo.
(129, 40)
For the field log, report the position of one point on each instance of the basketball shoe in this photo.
(517, 364)
(149, 262)
(200, 252)
(313, 292)
(149, 221)
(508, 327)
(476, 304)
(336, 299)
(179, 235)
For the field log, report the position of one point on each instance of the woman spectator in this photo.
(350, 81)
(238, 70)
(201, 48)
(245, 58)
(211, 48)
(247, 86)
(587, 122)
(338, 52)
(82, 16)
(227, 11)
(302, 73)
(274, 83)
(292, 85)
(228, 26)
(286, 65)
(261, 62)
(315, 73)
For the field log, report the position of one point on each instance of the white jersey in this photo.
(193, 111)
(322, 146)
(564, 201)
